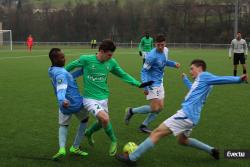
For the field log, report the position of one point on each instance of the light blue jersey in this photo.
(153, 68)
(66, 88)
(199, 90)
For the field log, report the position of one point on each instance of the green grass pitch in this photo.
(28, 119)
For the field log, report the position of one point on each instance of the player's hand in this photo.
(183, 75)
(145, 92)
(144, 84)
(65, 104)
(243, 77)
(177, 65)
(140, 53)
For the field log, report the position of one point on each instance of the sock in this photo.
(80, 134)
(63, 131)
(235, 72)
(110, 132)
(244, 71)
(142, 110)
(151, 117)
(199, 145)
(94, 127)
(143, 147)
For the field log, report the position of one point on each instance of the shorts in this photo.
(179, 123)
(144, 54)
(64, 119)
(95, 106)
(239, 57)
(156, 93)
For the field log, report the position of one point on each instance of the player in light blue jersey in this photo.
(153, 70)
(70, 102)
(182, 123)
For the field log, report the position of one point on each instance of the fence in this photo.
(19, 44)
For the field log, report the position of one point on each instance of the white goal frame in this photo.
(10, 32)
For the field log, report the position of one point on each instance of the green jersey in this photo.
(95, 75)
(146, 44)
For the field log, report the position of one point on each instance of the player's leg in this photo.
(62, 135)
(235, 62)
(75, 149)
(186, 141)
(160, 132)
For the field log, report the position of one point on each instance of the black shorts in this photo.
(239, 57)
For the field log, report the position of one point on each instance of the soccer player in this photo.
(96, 69)
(70, 103)
(153, 69)
(29, 42)
(182, 123)
(240, 50)
(145, 46)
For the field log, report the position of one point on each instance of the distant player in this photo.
(95, 92)
(182, 123)
(29, 42)
(145, 46)
(153, 69)
(240, 50)
(70, 102)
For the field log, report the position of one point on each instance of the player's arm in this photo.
(219, 80)
(186, 81)
(140, 47)
(118, 71)
(171, 63)
(246, 49)
(74, 64)
(77, 73)
(61, 88)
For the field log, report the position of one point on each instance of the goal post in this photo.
(6, 39)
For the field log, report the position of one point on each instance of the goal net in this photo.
(5, 40)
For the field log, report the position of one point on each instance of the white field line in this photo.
(67, 55)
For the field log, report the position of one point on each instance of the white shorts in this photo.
(95, 106)
(144, 54)
(156, 93)
(179, 123)
(64, 119)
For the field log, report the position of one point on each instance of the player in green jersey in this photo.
(145, 46)
(95, 92)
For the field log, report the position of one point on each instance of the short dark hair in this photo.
(107, 45)
(199, 63)
(53, 53)
(160, 38)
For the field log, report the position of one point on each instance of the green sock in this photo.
(110, 132)
(94, 127)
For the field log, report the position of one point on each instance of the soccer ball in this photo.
(129, 147)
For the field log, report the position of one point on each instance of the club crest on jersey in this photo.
(59, 81)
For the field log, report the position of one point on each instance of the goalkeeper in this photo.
(96, 69)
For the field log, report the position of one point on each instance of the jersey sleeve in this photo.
(61, 87)
(187, 82)
(74, 64)
(141, 44)
(77, 73)
(219, 80)
(146, 67)
(171, 63)
(118, 71)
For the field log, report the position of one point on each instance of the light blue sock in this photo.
(80, 134)
(63, 131)
(142, 110)
(199, 145)
(143, 147)
(151, 117)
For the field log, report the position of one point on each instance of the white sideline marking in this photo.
(68, 55)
